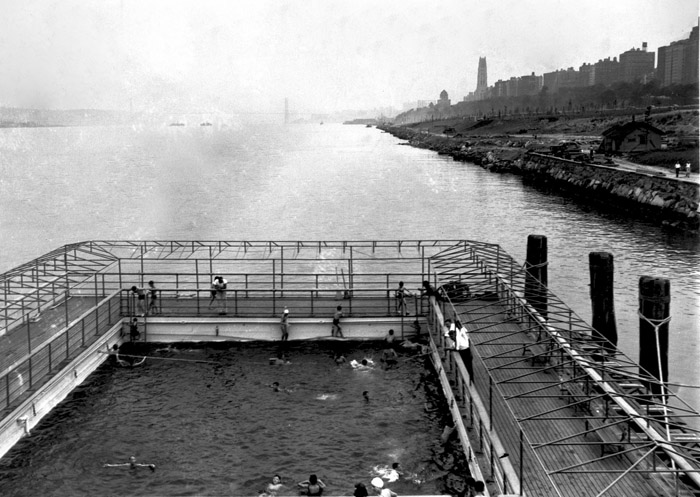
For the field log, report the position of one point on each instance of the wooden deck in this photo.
(572, 448)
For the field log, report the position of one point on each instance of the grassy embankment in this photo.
(680, 128)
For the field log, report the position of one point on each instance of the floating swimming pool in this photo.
(210, 421)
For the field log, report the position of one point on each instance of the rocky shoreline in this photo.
(667, 200)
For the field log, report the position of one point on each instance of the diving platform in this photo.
(547, 411)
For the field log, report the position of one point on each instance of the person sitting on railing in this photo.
(428, 291)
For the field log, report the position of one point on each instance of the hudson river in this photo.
(334, 182)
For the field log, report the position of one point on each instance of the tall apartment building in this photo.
(606, 71)
(586, 75)
(636, 64)
(563, 78)
(678, 62)
(529, 85)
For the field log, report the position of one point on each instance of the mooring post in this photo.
(654, 309)
(602, 301)
(536, 273)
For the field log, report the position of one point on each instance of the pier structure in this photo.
(549, 410)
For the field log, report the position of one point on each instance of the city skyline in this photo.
(323, 56)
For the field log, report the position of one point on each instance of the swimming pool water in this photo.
(218, 428)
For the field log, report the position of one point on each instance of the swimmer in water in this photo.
(276, 388)
(312, 486)
(280, 360)
(365, 394)
(274, 486)
(132, 464)
(390, 358)
(126, 364)
(339, 359)
(365, 364)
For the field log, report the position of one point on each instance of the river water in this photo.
(330, 182)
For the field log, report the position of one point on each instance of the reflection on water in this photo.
(218, 428)
(61, 185)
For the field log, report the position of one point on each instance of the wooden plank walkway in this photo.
(560, 451)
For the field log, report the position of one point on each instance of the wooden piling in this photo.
(536, 277)
(602, 301)
(654, 307)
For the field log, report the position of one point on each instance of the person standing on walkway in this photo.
(221, 294)
(457, 339)
(687, 169)
(140, 299)
(400, 295)
(213, 290)
(284, 325)
(678, 168)
(336, 330)
(152, 298)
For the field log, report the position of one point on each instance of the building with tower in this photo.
(444, 102)
(482, 83)
(636, 64)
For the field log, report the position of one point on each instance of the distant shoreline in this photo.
(6, 124)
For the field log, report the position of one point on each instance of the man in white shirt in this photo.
(458, 340)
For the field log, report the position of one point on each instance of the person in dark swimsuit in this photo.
(312, 486)
(152, 298)
(141, 299)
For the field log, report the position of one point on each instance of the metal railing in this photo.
(373, 301)
(43, 360)
(571, 353)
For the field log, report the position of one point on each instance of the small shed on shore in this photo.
(633, 136)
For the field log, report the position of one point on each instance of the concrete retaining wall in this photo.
(675, 201)
(168, 330)
(29, 413)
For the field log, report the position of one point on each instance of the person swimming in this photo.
(390, 358)
(275, 485)
(313, 486)
(364, 364)
(390, 474)
(132, 464)
(277, 388)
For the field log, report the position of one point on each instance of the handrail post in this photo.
(490, 403)
(521, 463)
(29, 335)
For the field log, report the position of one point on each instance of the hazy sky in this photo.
(324, 55)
